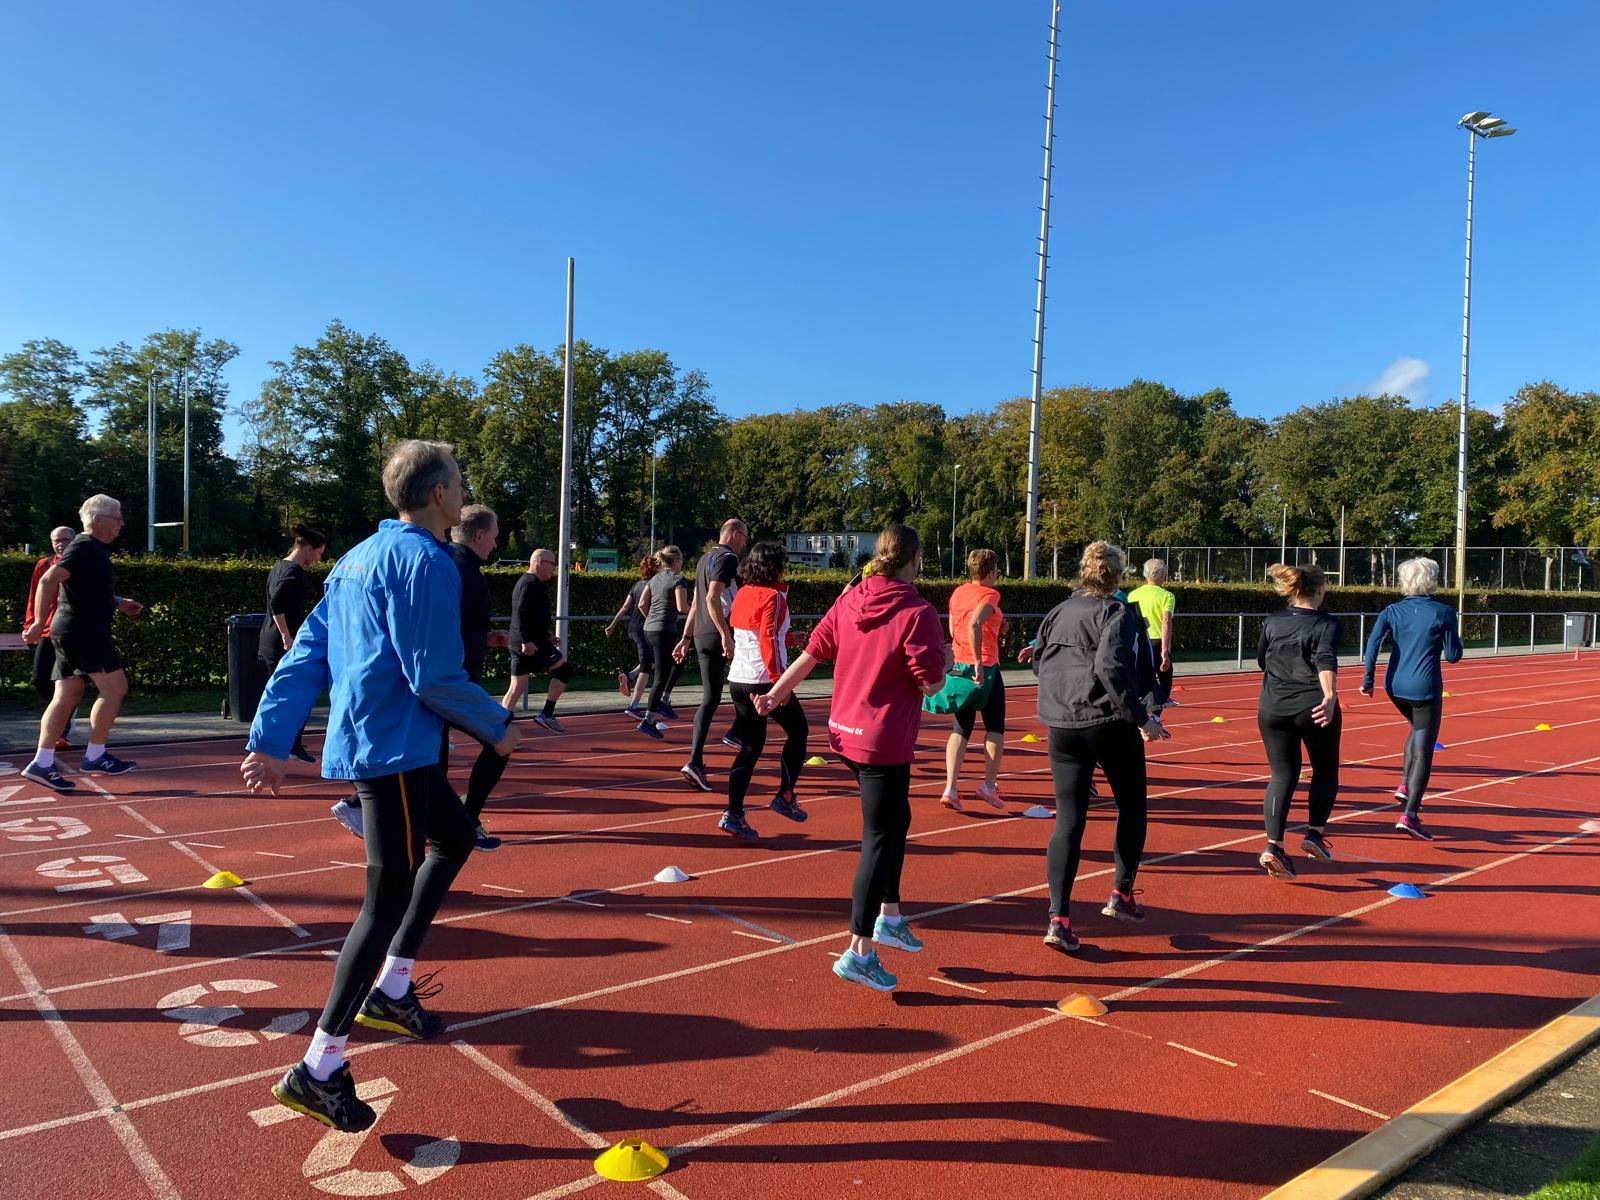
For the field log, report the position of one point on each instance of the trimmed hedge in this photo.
(181, 642)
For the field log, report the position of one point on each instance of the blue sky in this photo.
(823, 202)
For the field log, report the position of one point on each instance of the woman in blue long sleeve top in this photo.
(1420, 630)
(385, 641)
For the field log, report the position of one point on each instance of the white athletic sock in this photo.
(395, 977)
(44, 759)
(94, 750)
(325, 1056)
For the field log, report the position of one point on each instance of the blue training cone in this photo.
(1438, 745)
(1408, 891)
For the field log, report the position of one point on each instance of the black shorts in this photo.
(993, 711)
(532, 664)
(76, 658)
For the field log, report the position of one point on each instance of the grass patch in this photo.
(1579, 1179)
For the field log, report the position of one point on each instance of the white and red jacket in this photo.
(760, 620)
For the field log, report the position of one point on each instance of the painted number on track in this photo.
(173, 926)
(95, 871)
(328, 1165)
(202, 1023)
(43, 829)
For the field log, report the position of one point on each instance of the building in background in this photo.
(845, 548)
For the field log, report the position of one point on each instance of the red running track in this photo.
(1254, 1026)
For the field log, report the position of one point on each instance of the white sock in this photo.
(44, 759)
(94, 750)
(395, 977)
(325, 1056)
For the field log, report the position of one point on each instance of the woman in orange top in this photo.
(975, 623)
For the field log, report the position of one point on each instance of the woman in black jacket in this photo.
(287, 595)
(1299, 660)
(1089, 697)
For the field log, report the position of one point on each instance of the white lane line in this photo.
(136, 837)
(1371, 1112)
(1201, 1054)
(209, 845)
(543, 1103)
(760, 937)
(769, 934)
(173, 891)
(495, 887)
(143, 1161)
(246, 893)
(273, 854)
(965, 987)
(585, 903)
(660, 917)
(142, 819)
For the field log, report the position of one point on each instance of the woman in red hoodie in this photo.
(888, 647)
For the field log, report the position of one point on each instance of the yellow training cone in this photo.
(1081, 1004)
(1542, 727)
(223, 879)
(1030, 737)
(1446, 695)
(631, 1160)
(816, 760)
(1219, 720)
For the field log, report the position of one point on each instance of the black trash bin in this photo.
(247, 676)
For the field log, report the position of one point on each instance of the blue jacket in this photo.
(385, 640)
(1421, 629)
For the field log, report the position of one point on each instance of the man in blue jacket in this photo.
(385, 641)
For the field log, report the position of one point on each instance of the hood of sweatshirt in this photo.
(877, 598)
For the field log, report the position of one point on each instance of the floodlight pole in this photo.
(564, 517)
(186, 460)
(955, 477)
(1030, 550)
(150, 465)
(653, 457)
(1461, 443)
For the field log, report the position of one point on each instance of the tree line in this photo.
(1142, 464)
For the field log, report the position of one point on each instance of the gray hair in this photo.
(1418, 577)
(1155, 569)
(475, 518)
(414, 469)
(97, 505)
(63, 531)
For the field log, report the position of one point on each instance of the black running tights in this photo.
(1283, 737)
(1118, 750)
(1425, 717)
(885, 821)
(750, 727)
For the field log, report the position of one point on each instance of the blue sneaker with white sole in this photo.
(868, 971)
(737, 826)
(890, 931)
(49, 777)
(107, 764)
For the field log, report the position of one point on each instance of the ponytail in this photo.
(897, 546)
(1296, 582)
(304, 535)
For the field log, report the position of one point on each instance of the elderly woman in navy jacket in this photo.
(1419, 630)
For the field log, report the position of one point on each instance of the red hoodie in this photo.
(887, 644)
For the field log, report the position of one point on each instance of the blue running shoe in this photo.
(732, 743)
(484, 840)
(107, 764)
(634, 711)
(866, 971)
(788, 806)
(737, 826)
(890, 931)
(349, 815)
(650, 729)
(50, 778)
(665, 710)
(696, 775)
(548, 721)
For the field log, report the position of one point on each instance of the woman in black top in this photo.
(1299, 658)
(287, 589)
(635, 683)
(1089, 696)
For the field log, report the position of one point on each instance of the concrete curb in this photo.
(1362, 1168)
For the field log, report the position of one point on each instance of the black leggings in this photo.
(647, 653)
(418, 837)
(750, 727)
(1119, 751)
(1282, 736)
(44, 664)
(1163, 677)
(885, 821)
(667, 670)
(486, 771)
(1425, 717)
(713, 671)
(993, 710)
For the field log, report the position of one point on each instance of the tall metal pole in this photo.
(652, 499)
(1461, 446)
(1283, 544)
(150, 466)
(564, 517)
(1030, 550)
(186, 460)
(955, 477)
(1341, 545)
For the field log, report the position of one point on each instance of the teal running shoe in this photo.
(866, 971)
(896, 933)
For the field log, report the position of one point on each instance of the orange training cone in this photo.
(1081, 1004)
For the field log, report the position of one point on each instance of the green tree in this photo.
(46, 460)
(1550, 488)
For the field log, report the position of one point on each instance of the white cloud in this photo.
(1406, 377)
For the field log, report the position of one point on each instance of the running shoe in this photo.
(952, 801)
(738, 826)
(650, 729)
(990, 796)
(1169, 702)
(406, 1015)
(62, 744)
(732, 743)
(666, 711)
(1123, 907)
(866, 971)
(484, 840)
(107, 764)
(624, 683)
(349, 815)
(302, 754)
(1412, 824)
(788, 806)
(548, 721)
(1058, 935)
(333, 1102)
(50, 778)
(896, 933)
(634, 711)
(696, 775)
(1400, 792)
(1276, 862)
(1094, 792)
(1316, 846)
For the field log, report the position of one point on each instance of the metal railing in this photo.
(1521, 568)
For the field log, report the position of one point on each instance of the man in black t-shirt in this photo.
(81, 587)
(715, 582)
(532, 647)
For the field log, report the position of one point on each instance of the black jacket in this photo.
(475, 612)
(1086, 661)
